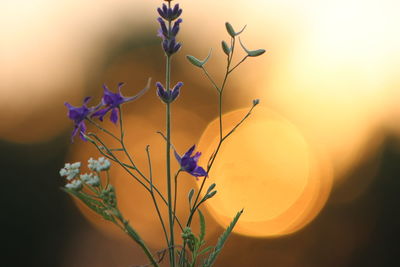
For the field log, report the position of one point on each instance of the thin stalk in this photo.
(168, 158)
(176, 191)
(153, 197)
(112, 157)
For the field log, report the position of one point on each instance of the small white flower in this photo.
(102, 164)
(90, 179)
(70, 171)
(74, 185)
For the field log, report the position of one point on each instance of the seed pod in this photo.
(226, 48)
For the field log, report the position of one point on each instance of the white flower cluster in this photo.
(101, 164)
(70, 171)
(75, 185)
(90, 179)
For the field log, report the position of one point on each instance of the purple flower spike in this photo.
(168, 34)
(188, 163)
(78, 115)
(168, 97)
(111, 101)
(169, 14)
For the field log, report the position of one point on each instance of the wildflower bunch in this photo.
(93, 188)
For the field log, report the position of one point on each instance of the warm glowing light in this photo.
(266, 167)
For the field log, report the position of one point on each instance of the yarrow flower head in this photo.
(74, 185)
(90, 179)
(168, 96)
(78, 115)
(188, 162)
(70, 171)
(111, 101)
(101, 164)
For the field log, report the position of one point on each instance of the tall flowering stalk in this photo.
(168, 33)
(94, 188)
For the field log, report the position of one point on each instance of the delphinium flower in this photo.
(78, 115)
(111, 101)
(101, 164)
(188, 162)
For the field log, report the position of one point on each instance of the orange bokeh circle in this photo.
(268, 168)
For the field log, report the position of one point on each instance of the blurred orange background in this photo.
(316, 166)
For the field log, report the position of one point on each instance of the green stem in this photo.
(153, 197)
(168, 159)
(176, 191)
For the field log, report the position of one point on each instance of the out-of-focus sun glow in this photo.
(268, 168)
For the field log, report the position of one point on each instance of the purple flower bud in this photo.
(175, 28)
(163, 30)
(168, 97)
(169, 14)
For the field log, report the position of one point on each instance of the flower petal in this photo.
(114, 115)
(199, 172)
(178, 158)
(189, 152)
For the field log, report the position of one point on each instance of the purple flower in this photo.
(168, 97)
(168, 34)
(78, 115)
(112, 101)
(170, 46)
(188, 163)
(168, 13)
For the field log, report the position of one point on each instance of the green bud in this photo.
(256, 102)
(194, 61)
(226, 48)
(230, 29)
(211, 188)
(252, 53)
(256, 53)
(197, 62)
(211, 194)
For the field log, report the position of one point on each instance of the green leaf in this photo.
(226, 48)
(197, 62)
(93, 204)
(204, 250)
(202, 226)
(252, 53)
(221, 241)
(190, 196)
